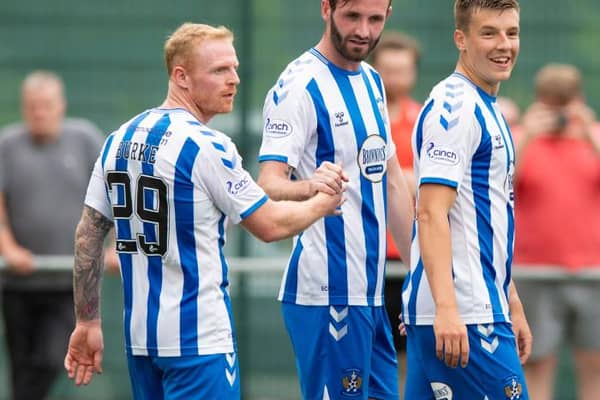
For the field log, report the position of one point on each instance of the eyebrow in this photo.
(495, 28)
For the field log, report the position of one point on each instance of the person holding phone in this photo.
(558, 224)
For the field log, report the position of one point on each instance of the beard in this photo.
(341, 44)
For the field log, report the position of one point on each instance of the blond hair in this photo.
(559, 83)
(180, 44)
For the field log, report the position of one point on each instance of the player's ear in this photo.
(325, 10)
(459, 39)
(179, 76)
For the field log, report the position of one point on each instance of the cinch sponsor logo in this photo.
(278, 128)
(442, 155)
(235, 188)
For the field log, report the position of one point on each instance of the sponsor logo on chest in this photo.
(372, 158)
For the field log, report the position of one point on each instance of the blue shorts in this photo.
(494, 371)
(343, 352)
(214, 376)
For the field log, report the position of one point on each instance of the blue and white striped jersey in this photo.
(318, 112)
(169, 183)
(461, 140)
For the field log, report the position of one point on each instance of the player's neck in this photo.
(326, 48)
(46, 138)
(490, 88)
(178, 100)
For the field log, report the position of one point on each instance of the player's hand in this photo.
(539, 118)
(328, 178)
(401, 325)
(19, 260)
(581, 120)
(451, 338)
(331, 202)
(85, 351)
(523, 335)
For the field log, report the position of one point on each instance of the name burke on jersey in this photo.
(136, 151)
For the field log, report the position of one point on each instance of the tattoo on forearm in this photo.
(89, 263)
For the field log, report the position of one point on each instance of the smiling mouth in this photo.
(501, 61)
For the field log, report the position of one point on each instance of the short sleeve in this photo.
(96, 195)
(223, 177)
(288, 120)
(448, 143)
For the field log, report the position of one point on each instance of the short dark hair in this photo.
(463, 9)
(393, 40)
(334, 3)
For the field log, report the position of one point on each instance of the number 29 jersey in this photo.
(169, 183)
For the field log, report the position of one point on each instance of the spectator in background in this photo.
(45, 163)
(558, 224)
(396, 58)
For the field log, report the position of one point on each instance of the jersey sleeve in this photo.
(228, 184)
(96, 195)
(288, 121)
(447, 144)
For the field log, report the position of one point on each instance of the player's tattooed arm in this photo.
(89, 264)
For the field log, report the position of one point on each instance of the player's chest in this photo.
(358, 141)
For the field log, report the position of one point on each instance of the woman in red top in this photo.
(557, 190)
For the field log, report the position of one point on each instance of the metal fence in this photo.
(265, 354)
